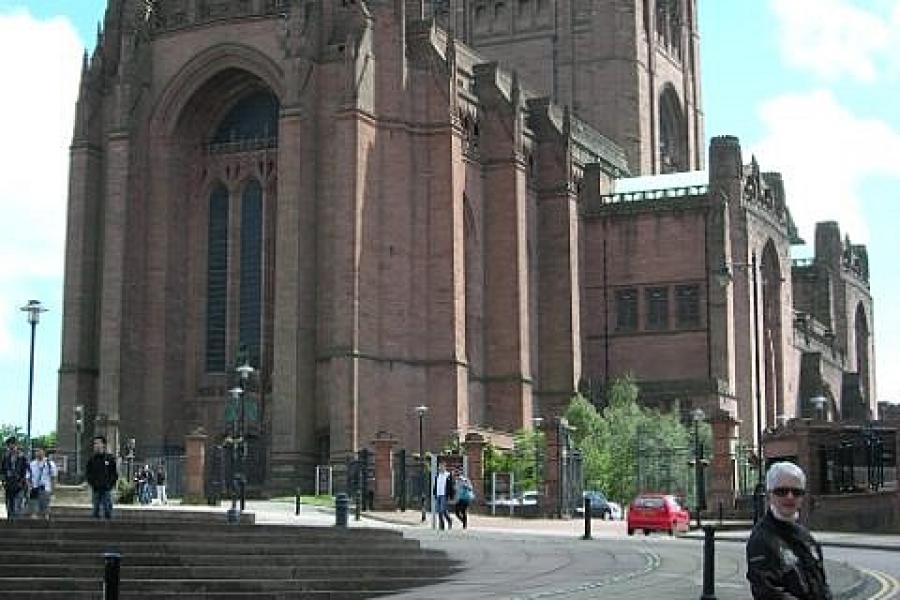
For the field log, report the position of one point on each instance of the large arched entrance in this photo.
(223, 181)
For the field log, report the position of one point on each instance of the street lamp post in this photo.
(79, 430)
(245, 370)
(420, 411)
(34, 310)
(759, 493)
(537, 421)
(699, 464)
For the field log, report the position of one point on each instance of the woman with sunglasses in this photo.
(783, 559)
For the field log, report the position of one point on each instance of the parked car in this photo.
(600, 506)
(657, 512)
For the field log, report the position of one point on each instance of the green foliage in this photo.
(527, 445)
(125, 491)
(7, 430)
(48, 440)
(613, 444)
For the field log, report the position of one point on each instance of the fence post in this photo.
(709, 563)
(587, 519)
(113, 561)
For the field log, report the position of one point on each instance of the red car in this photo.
(657, 512)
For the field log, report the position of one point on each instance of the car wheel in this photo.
(607, 515)
(646, 532)
(672, 530)
(630, 531)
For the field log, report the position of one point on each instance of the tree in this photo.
(614, 444)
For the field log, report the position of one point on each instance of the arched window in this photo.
(672, 133)
(253, 118)
(217, 279)
(250, 321)
(861, 329)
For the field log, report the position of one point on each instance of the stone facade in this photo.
(361, 204)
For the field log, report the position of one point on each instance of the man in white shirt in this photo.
(443, 491)
(41, 473)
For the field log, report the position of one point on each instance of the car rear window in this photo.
(649, 502)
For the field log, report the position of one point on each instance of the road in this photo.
(509, 565)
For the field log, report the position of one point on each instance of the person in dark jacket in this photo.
(101, 475)
(15, 473)
(784, 562)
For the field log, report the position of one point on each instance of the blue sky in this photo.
(810, 86)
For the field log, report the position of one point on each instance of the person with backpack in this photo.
(41, 473)
(101, 475)
(464, 497)
(15, 477)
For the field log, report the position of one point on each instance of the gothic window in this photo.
(657, 308)
(250, 326)
(672, 133)
(253, 120)
(687, 298)
(217, 280)
(626, 310)
(668, 25)
(481, 21)
(500, 21)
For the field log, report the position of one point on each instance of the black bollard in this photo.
(587, 519)
(297, 502)
(113, 561)
(341, 508)
(358, 505)
(709, 563)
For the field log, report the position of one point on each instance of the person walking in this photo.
(465, 494)
(783, 559)
(15, 477)
(443, 491)
(41, 474)
(101, 475)
(161, 484)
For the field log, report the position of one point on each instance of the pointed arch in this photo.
(861, 335)
(772, 333)
(672, 132)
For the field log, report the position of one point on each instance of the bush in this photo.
(125, 491)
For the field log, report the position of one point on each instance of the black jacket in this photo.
(101, 472)
(15, 471)
(784, 562)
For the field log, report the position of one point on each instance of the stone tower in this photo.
(630, 68)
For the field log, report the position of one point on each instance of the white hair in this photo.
(784, 469)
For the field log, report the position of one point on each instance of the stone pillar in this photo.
(195, 450)
(474, 445)
(384, 444)
(722, 481)
(553, 477)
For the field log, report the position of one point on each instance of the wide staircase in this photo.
(167, 555)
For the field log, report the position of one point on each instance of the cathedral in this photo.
(465, 205)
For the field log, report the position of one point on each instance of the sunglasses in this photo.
(781, 492)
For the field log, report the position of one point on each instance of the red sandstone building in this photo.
(377, 216)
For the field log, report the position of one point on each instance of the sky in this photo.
(811, 88)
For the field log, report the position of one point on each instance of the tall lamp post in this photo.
(536, 422)
(79, 431)
(759, 493)
(420, 411)
(239, 443)
(699, 463)
(34, 310)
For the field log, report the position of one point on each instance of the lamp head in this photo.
(34, 310)
(723, 275)
(697, 414)
(245, 370)
(236, 392)
(421, 410)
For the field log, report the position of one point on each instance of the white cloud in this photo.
(836, 38)
(825, 153)
(41, 66)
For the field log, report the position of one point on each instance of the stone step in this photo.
(416, 558)
(15, 585)
(224, 534)
(163, 595)
(388, 569)
(262, 547)
(149, 513)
